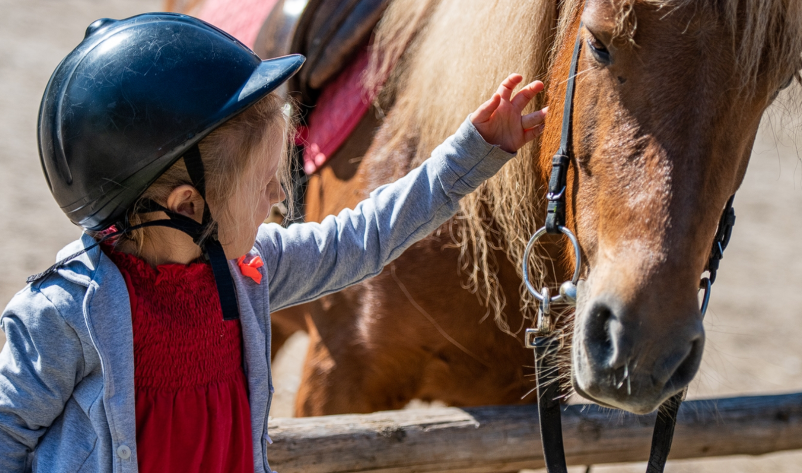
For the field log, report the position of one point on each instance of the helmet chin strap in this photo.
(207, 241)
(200, 234)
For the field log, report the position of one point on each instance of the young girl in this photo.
(146, 347)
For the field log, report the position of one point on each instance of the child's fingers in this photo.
(534, 119)
(509, 84)
(533, 133)
(483, 113)
(526, 94)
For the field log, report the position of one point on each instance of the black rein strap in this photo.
(548, 403)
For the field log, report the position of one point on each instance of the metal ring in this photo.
(528, 250)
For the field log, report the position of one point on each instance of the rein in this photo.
(545, 340)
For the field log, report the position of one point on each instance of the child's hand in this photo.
(499, 120)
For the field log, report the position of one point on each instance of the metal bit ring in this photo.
(531, 244)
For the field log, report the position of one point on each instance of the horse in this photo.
(669, 96)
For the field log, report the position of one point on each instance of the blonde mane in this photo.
(456, 52)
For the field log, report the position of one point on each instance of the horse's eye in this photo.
(599, 50)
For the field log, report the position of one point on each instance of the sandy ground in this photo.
(754, 331)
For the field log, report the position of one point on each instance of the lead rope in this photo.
(546, 342)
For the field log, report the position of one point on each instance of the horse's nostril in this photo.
(598, 339)
(635, 355)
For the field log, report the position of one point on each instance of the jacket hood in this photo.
(81, 269)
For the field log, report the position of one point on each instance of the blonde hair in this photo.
(228, 155)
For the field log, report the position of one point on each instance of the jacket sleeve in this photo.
(309, 260)
(39, 366)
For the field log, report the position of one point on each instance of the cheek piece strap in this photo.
(204, 235)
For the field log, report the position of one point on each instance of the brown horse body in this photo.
(666, 110)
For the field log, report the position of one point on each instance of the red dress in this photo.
(192, 411)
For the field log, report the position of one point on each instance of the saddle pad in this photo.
(241, 19)
(341, 106)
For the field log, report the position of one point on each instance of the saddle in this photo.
(330, 33)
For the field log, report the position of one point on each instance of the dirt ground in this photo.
(754, 327)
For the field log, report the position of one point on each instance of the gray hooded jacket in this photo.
(67, 369)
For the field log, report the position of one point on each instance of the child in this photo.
(146, 348)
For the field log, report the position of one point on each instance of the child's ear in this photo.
(187, 201)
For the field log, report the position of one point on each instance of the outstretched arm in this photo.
(309, 260)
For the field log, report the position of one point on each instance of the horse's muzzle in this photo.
(632, 359)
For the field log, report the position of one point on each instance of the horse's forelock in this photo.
(766, 34)
(769, 34)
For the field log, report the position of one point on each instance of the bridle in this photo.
(546, 341)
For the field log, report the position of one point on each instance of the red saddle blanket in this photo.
(241, 19)
(342, 104)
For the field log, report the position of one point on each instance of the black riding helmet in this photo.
(134, 97)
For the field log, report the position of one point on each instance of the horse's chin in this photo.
(639, 408)
(640, 388)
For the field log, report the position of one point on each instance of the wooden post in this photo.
(506, 438)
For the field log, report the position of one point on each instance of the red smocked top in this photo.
(192, 411)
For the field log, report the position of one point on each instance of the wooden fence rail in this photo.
(506, 439)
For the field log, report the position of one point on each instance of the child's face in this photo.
(254, 200)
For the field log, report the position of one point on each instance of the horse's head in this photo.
(668, 100)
